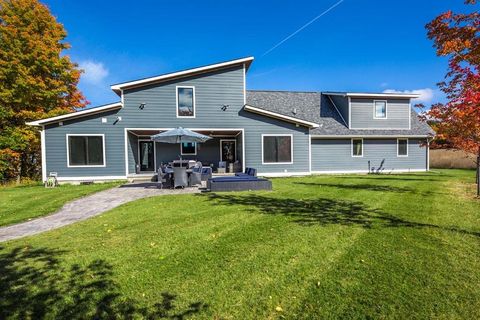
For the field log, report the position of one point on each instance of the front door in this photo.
(228, 150)
(146, 155)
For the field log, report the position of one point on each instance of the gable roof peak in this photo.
(119, 87)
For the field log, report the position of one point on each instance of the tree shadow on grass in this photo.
(389, 177)
(34, 284)
(357, 186)
(323, 211)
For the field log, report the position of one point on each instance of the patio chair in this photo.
(222, 167)
(248, 172)
(180, 178)
(161, 177)
(195, 177)
(206, 173)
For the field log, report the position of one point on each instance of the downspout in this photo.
(428, 154)
(43, 153)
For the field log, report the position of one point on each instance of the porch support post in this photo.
(243, 150)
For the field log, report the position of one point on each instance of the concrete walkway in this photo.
(87, 207)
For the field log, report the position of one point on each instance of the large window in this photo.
(185, 102)
(187, 148)
(357, 147)
(277, 149)
(86, 150)
(380, 109)
(402, 147)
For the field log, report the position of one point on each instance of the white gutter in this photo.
(77, 114)
(280, 116)
(372, 95)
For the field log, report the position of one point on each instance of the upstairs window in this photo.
(277, 149)
(402, 147)
(186, 102)
(380, 111)
(188, 148)
(357, 147)
(86, 150)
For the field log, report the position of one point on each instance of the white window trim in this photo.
(86, 135)
(221, 140)
(194, 104)
(398, 146)
(278, 135)
(375, 113)
(154, 154)
(188, 154)
(351, 152)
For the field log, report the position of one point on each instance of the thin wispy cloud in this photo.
(426, 95)
(94, 72)
(302, 27)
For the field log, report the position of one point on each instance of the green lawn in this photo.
(20, 203)
(377, 246)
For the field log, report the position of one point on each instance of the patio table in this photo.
(169, 172)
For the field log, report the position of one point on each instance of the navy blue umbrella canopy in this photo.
(179, 135)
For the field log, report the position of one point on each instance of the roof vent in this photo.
(294, 111)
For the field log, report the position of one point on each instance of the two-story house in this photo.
(276, 132)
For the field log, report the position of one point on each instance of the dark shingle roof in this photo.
(315, 107)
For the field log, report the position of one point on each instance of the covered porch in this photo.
(144, 156)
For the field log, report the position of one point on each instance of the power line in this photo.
(303, 27)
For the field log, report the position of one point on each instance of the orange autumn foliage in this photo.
(37, 80)
(457, 36)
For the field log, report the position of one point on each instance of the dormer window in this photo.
(380, 109)
(185, 102)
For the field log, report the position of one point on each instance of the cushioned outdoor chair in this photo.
(191, 164)
(206, 173)
(195, 177)
(161, 177)
(180, 178)
(248, 172)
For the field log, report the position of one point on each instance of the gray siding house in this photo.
(279, 133)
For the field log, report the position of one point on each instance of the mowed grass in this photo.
(24, 202)
(350, 247)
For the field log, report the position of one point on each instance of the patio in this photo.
(145, 155)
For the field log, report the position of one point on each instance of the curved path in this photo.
(87, 207)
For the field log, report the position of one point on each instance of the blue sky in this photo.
(357, 46)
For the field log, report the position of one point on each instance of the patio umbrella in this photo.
(179, 135)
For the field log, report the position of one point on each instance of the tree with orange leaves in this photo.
(36, 81)
(457, 36)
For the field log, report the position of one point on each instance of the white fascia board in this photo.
(281, 116)
(130, 84)
(373, 95)
(77, 114)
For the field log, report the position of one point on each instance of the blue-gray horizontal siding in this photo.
(212, 91)
(336, 155)
(56, 146)
(362, 114)
(258, 125)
